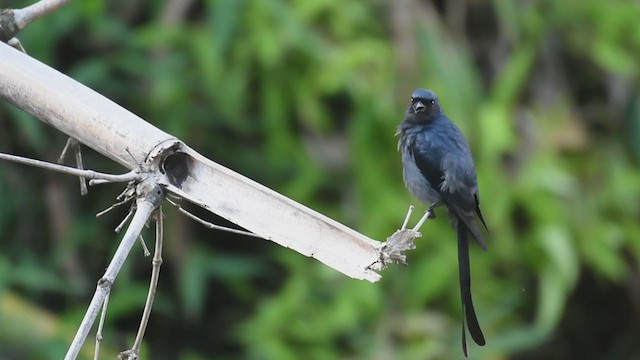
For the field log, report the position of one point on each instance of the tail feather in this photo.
(465, 289)
(468, 222)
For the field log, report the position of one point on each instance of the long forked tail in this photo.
(465, 290)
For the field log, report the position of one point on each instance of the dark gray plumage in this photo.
(438, 169)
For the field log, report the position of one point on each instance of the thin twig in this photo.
(43, 7)
(89, 174)
(153, 285)
(210, 225)
(126, 218)
(406, 219)
(75, 145)
(113, 206)
(103, 316)
(145, 249)
(150, 196)
(66, 147)
(128, 193)
(83, 181)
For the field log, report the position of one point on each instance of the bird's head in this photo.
(424, 106)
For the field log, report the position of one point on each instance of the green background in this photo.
(304, 96)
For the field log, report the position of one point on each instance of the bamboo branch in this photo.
(88, 174)
(150, 195)
(116, 133)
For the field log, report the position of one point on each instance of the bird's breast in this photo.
(413, 178)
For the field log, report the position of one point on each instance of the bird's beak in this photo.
(419, 107)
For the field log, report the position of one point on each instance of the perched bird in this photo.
(438, 170)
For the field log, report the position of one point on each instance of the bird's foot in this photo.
(423, 219)
(432, 210)
(429, 214)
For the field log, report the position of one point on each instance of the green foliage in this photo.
(304, 97)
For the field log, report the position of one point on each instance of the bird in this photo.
(438, 169)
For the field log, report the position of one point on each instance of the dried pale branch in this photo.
(89, 174)
(126, 218)
(393, 249)
(75, 145)
(126, 200)
(150, 195)
(121, 136)
(12, 21)
(103, 316)
(406, 218)
(211, 225)
(134, 352)
(43, 7)
(145, 249)
(65, 149)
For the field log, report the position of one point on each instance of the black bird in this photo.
(438, 169)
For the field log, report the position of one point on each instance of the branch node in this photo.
(15, 43)
(8, 25)
(393, 250)
(128, 355)
(104, 283)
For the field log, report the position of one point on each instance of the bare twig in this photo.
(43, 7)
(75, 145)
(12, 21)
(210, 225)
(103, 316)
(89, 174)
(406, 219)
(427, 214)
(393, 250)
(145, 249)
(66, 148)
(134, 352)
(83, 182)
(150, 196)
(126, 218)
(113, 206)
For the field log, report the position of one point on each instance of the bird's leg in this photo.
(429, 214)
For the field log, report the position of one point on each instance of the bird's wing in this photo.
(429, 166)
(461, 200)
(479, 212)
